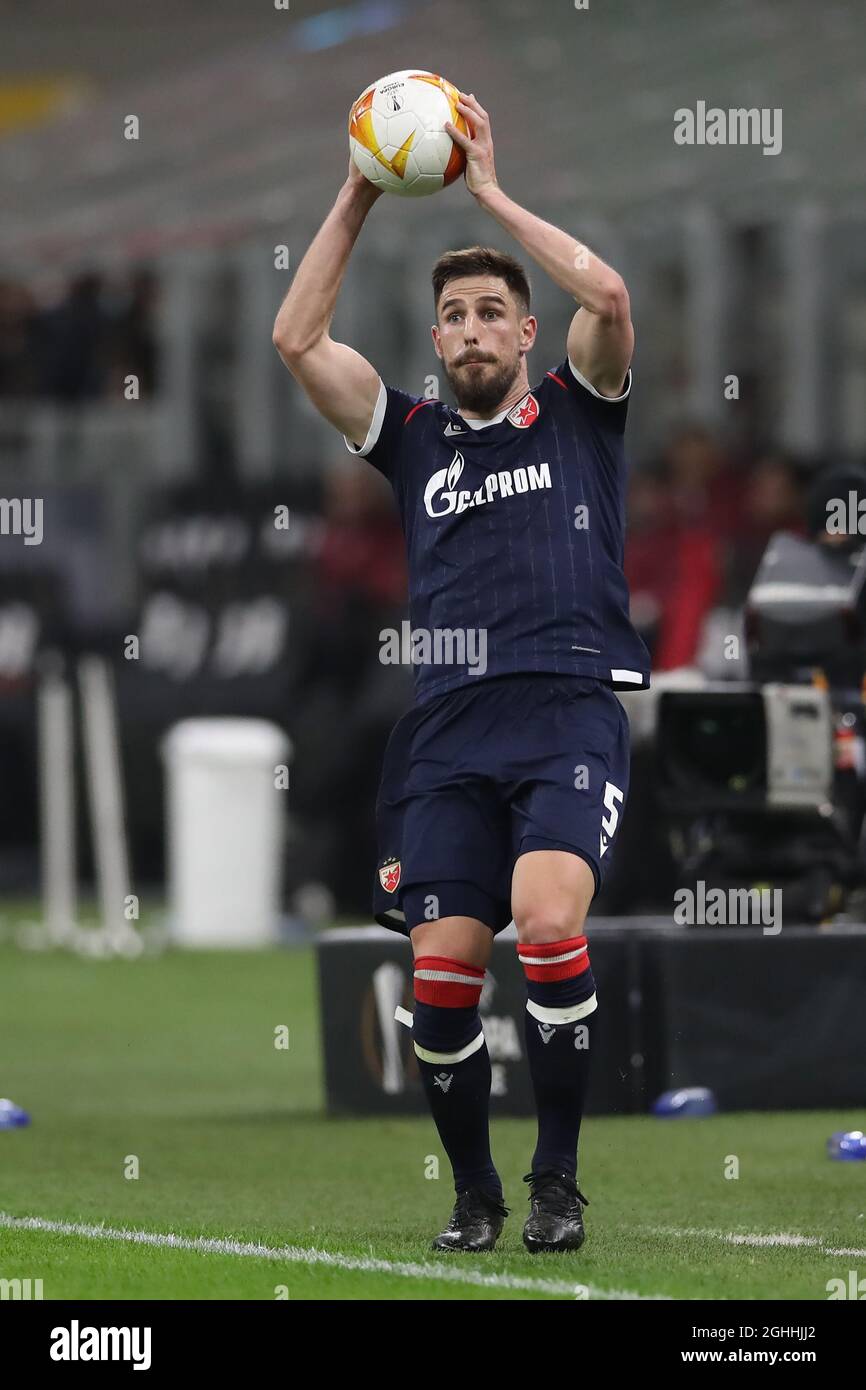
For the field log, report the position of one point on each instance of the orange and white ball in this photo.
(397, 134)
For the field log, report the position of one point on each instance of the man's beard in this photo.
(480, 389)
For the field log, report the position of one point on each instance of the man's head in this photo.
(483, 327)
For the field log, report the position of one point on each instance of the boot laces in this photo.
(468, 1204)
(559, 1191)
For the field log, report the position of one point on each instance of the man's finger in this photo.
(472, 118)
(477, 104)
(476, 117)
(457, 136)
(472, 121)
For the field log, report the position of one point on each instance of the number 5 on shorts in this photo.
(612, 795)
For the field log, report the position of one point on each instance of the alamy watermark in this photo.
(846, 516)
(733, 907)
(441, 646)
(739, 125)
(20, 1289)
(854, 1287)
(22, 516)
(77, 1343)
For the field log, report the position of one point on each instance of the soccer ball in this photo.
(397, 134)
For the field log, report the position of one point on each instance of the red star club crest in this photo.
(389, 875)
(525, 413)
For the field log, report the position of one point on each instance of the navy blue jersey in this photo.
(514, 530)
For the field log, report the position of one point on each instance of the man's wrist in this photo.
(361, 196)
(487, 196)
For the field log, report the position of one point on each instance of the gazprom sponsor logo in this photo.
(442, 497)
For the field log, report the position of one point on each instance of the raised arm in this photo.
(601, 337)
(341, 384)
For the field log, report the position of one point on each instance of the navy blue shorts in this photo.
(480, 775)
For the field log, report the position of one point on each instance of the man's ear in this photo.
(529, 325)
(434, 333)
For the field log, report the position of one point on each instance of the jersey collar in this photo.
(522, 414)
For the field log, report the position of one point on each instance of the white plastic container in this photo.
(226, 812)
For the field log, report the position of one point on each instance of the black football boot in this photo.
(476, 1222)
(555, 1220)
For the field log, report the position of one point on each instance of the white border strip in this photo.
(297, 1254)
(553, 960)
(623, 674)
(588, 386)
(375, 425)
(446, 1058)
(452, 976)
(780, 1240)
(562, 1016)
(781, 592)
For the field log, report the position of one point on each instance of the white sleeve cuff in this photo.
(375, 424)
(588, 386)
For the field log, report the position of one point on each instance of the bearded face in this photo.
(479, 338)
(480, 384)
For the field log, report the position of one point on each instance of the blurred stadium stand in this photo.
(156, 257)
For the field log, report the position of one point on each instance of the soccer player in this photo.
(503, 787)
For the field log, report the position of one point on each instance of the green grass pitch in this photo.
(168, 1066)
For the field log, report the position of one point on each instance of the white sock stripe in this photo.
(450, 975)
(569, 1015)
(427, 1056)
(553, 960)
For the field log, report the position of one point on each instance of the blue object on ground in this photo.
(688, 1100)
(12, 1116)
(847, 1144)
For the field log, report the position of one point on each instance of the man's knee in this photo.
(560, 986)
(459, 938)
(553, 949)
(551, 893)
(446, 1025)
(542, 922)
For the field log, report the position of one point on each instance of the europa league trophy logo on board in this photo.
(387, 1044)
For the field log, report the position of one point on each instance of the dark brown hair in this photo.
(481, 260)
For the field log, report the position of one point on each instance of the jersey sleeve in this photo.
(609, 412)
(382, 447)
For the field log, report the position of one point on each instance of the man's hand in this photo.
(360, 185)
(478, 146)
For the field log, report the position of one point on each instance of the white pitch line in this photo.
(298, 1254)
(781, 1240)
